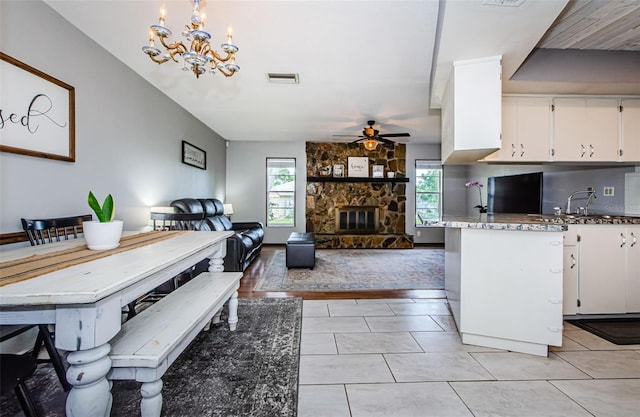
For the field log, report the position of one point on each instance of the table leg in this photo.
(90, 395)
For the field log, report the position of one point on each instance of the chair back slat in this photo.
(43, 231)
(176, 221)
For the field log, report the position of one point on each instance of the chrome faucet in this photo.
(591, 194)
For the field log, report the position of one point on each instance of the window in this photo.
(281, 191)
(428, 191)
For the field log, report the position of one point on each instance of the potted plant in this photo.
(104, 233)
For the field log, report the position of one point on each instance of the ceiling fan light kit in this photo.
(199, 54)
(370, 137)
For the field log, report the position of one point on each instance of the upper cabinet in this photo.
(630, 139)
(471, 110)
(526, 130)
(586, 129)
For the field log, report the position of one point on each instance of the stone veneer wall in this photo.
(322, 198)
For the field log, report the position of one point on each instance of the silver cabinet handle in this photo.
(521, 150)
(513, 150)
(583, 151)
(624, 239)
(592, 150)
(573, 261)
(634, 239)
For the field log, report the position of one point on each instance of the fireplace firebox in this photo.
(357, 219)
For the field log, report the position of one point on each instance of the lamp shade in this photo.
(228, 209)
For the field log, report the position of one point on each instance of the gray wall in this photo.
(128, 134)
(246, 185)
(559, 181)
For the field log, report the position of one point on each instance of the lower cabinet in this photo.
(633, 269)
(601, 271)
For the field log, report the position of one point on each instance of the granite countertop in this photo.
(533, 222)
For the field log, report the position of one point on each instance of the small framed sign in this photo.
(358, 166)
(377, 171)
(194, 156)
(338, 170)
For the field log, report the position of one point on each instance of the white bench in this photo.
(151, 341)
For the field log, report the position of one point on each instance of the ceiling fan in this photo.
(370, 137)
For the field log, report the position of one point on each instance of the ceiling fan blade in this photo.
(386, 141)
(394, 135)
(349, 136)
(357, 140)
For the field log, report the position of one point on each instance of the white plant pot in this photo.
(102, 236)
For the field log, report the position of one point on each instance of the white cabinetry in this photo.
(570, 273)
(586, 129)
(608, 269)
(630, 130)
(526, 130)
(602, 270)
(471, 110)
(632, 235)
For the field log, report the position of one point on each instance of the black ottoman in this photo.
(301, 250)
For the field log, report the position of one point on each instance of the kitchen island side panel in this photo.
(510, 287)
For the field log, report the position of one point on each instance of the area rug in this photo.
(250, 372)
(621, 331)
(359, 269)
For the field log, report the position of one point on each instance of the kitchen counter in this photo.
(531, 222)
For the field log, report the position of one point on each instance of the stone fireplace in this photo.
(356, 212)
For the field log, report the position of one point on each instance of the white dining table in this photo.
(84, 302)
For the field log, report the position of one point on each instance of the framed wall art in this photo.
(194, 156)
(358, 166)
(338, 170)
(37, 112)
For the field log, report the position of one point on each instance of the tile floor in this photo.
(403, 357)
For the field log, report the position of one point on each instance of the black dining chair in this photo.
(41, 232)
(15, 370)
(168, 222)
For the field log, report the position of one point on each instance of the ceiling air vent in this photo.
(283, 78)
(509, 3)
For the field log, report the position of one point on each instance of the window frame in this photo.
(270, 162)
(421, 165)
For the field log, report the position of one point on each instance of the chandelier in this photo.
(199, 55)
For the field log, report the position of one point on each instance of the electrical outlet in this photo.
(608, 191)
(418, 233)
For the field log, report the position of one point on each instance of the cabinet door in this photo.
(631, 130)
(526, 130)
(585, 129)
(509, 139)
(569, 128)
(602, 274)
(570, 273)
(633, 269)
(534, 129)
(602, 140)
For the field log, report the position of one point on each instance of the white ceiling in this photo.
(357, 60)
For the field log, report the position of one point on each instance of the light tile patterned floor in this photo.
(403, 358)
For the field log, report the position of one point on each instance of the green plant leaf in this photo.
(106, 212)
(93, 203)
(108, 208)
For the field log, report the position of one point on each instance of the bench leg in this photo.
(233, 311)
(151, 403)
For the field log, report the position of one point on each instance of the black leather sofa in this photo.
(245, 244)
